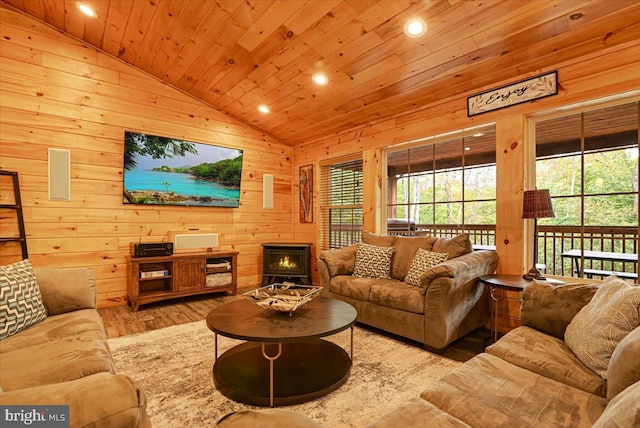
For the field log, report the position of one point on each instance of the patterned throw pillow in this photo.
(20, 300)
(373, 261)
(422, 262)
(596, 330)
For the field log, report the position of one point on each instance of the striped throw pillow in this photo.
(20, 300)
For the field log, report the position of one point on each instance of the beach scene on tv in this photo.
(168, 171)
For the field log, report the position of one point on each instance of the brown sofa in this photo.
(448, 303)
(65, 359)
(531, 378)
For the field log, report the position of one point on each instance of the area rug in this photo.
(173, 365)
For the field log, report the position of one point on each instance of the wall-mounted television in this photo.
(170, 171)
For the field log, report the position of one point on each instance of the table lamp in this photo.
(536, 204)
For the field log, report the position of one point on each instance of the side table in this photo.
(504, 282)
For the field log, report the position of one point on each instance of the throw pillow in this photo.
(455, 247)
(422, 262)
(78, 292)
(373, 261)
(406, 248)
(596, 330)
(20, 300)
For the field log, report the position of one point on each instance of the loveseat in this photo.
(532, 378)
(63, 359)
(446, 302)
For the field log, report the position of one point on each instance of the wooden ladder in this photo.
(17, 206)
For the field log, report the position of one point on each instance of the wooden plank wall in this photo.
(594, 76)
(57, 92)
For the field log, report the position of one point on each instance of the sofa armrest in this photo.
(470, 265)
(550, 308)
(340, 261)
(66, 290)
(100, 400)
(455, 302)
(325, 277)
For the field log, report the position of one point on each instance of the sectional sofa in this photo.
(64, 358)
(532, 378)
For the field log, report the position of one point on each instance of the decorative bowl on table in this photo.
(283, 297)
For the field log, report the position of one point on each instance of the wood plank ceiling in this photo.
(238, 54)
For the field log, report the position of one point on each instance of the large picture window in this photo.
(444, 185)
(340, 203)
(589, 162)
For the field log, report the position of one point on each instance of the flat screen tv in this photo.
(169, 171)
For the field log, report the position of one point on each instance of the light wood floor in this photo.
(121, 321)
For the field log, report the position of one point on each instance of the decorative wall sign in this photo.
(306, 194)
(540, 86)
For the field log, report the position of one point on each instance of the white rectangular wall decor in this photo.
(59, 175)
(267, 191)
(183, 242)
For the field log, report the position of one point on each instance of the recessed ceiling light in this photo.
(263, 108)
(415, 27)
(87, 10)
(320, 79)
(467, 149)
(479, 134)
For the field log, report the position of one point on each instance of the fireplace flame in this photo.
(286, 263)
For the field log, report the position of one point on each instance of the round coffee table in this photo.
(284, 360)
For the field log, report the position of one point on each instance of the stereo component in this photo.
(151, 249)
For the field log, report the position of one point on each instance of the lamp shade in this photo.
(537, 204)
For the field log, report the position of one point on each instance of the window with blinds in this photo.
(340, 203)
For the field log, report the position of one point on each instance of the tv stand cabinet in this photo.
(153, 279)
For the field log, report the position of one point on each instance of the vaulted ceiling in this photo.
(236, 55)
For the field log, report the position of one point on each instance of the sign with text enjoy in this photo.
(540, 86)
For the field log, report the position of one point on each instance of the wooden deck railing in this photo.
(552, 242)
(555, 240)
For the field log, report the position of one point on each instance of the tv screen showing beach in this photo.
(169, 171)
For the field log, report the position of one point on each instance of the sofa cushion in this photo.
(488, 390)
(455, 247)
(624, 367)
(597, 329)
(548, 356)
(53, 362)
(100, 400)
(623, 410)
(340, 261)
(399, 296)
(406, 248)
(357, 288)
(378, 240)
(266, 418)
(373, 261)
(20, 299)
(85, 323)
(422, 262)
(78, 293)
(550, 308)
(418, 413)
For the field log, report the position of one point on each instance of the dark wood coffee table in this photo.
(284, 360)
